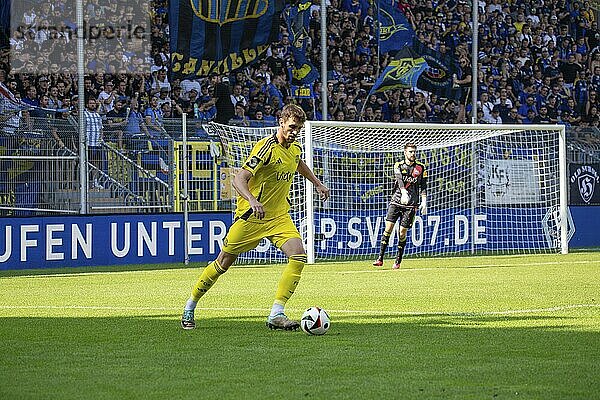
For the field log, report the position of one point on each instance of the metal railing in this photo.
(39, 171)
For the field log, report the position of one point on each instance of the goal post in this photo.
(492, 189)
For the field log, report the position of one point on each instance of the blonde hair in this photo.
(293, 111)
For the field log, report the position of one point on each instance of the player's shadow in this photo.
(384, 356)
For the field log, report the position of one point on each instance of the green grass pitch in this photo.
(503, 327)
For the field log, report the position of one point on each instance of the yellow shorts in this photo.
(244, 236)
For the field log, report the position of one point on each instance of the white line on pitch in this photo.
(331, 311)
(376, 270)
(321, 269)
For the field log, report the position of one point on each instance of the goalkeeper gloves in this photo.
(423, 206)
(404, 198)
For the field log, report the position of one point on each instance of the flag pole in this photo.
(378, 38)
(324, 105)
(474, 60)
(83, 167)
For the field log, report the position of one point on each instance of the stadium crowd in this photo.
(538, 62)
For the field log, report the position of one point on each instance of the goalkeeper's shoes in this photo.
(396, 265)
(187, 319)
(378, 263)
(281, 321)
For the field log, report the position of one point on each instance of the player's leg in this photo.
(288, 240)
(385, 240)
(408, 216)
(401, 245)
(242, 236)
(207, 279)
(390, 221)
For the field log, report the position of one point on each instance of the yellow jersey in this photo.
(273, 168)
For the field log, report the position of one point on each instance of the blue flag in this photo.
(402, 72)
(437, 78)
(216, 37)
(4, 24)
(395, 31)
(297, 18)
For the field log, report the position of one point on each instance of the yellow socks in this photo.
(209, 276)
(289, 279)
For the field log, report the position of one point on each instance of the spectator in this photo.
(190, 104)
(206, 112)
(570, 70)
(163, 96)
(258, 120)
(154, 119)
(116, 120)
(54, 101)
(592, 117)
(237, 97)
(124, 91)
(88, 88)
(31, 97)
(106, 98)
(222, 95)
(135, 128)
(531, 115)
(543, 117)
(94, 137)
(512, 118)
(528, 106)
(159, 80)
(495, 117)
(240, 117)
(486, 105)
(268, 116)
(188, 84)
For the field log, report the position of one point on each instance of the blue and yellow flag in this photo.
(297, 18)
(402, 72)
(437, 78)
(395, 31)
(216, 37)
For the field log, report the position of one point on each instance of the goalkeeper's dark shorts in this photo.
(406, 215)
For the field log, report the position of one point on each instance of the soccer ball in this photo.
(315, 321)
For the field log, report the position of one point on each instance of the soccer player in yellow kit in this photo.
(263, 186)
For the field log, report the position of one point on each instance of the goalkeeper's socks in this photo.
(401, 246)
(289, 278)
(208, 278)
(385, 239)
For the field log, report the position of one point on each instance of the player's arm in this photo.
(399, 184)
(423, 193)
(240, 184)
(259, 153)
(308, 174)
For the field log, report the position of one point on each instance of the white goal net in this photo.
(491, 189)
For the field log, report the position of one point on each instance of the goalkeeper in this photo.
(409, 188)
(263, 186)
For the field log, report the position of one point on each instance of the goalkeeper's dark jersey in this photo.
(413, 177)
